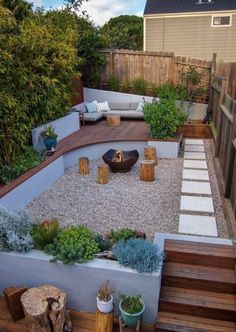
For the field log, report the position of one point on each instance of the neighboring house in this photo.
(194, 28)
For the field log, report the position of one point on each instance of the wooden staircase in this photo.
(198, 291)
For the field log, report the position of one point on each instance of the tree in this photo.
(19, 8)
(125, 31)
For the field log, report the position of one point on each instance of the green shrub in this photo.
(113, 83)
(140, 86)
(73, 245)
(154, 90)
(103, 244)
(131, 304)
(125, 86)
(123, 234)
(20, 165)
(44, 233)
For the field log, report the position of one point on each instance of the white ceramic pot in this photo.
(105, 307)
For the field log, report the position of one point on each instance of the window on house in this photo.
(219, 21)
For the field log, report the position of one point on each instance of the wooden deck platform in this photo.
(89, 134)
(82, 322)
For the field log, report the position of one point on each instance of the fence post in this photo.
(211, 81)
(219, 117)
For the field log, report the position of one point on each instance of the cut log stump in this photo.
(103, 171)
(104, 322)
(147, 170)
(12, 296)
(150, 153)
(83, 166)
(113, 120)
(45, 309)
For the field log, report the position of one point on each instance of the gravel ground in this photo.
(124, 202)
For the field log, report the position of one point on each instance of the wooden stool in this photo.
(45, 309)
(122, 325)
(147, 170)
(12, 296)
(103, 171)
(104, 322)
(113, 120)
(83, 166)
(150, 154)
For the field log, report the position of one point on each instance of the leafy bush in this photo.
(44, 233)
(164, 117)
(125, 86)
(138, 254)
(20, 165)
(103, 243)
(140, 86)
(191, 81)
(73, 244)
(131, 304)
(15, 230)
(123, 234)
(113, 83)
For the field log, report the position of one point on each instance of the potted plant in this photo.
(49, 137)
(131, 308)
(105, 298)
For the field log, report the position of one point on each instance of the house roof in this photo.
(187, 6)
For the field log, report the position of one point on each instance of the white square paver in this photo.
(194, 148)
(198, 164)
(194, 141)
(193, 174)
(198, 225)
(193, 187)
(200, 204)
(195, 155)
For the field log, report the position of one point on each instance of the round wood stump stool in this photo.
(150, 153)
(83, 166)
(103, 172)
(104, 322)
(147, 170)
(113, 120)
(45, 309)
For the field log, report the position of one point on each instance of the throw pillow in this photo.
(91, 107)
(140, 106)
(103, 107)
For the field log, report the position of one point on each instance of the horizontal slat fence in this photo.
(154, 67)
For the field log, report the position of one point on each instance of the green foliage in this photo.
(140, 86)
(191, 81)
(20, 165)
(113, 83)
(19, 8)
(138, 254)
(73, 244)
(124, 32)
(44, 233)
(122, 234)
(154, 90)
(125, 86)
(169, 91)
(103, 243)
(15, 230)
(131, 304)
(49, 132)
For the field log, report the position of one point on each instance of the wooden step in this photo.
(199, 277)
(199, 303)
(184, 323)
(197, 253)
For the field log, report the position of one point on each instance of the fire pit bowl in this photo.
(120, 161)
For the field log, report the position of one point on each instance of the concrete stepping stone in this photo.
(199, 204)
(197, 225)
(193, 174)
(194, 141)
(195, 155)
(194, 148)
(193, 187)
(198, 164)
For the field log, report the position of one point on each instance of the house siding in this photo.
(191, 36)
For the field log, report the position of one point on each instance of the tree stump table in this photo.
(150, 154)
(45, 309)
(104, 322)
(147, 170)
(83, 166)
(113, 120)
(103, 172)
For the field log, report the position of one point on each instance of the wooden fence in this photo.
(228, 70)
(224, 119)
(154, 67)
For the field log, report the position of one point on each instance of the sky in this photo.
(100, 11)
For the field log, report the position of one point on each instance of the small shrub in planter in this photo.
(49, 137)
(138, 254)
(131, 308)
(122, 234)
(44, 233)
(73, 245)
(15, 230)
(105, 298)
